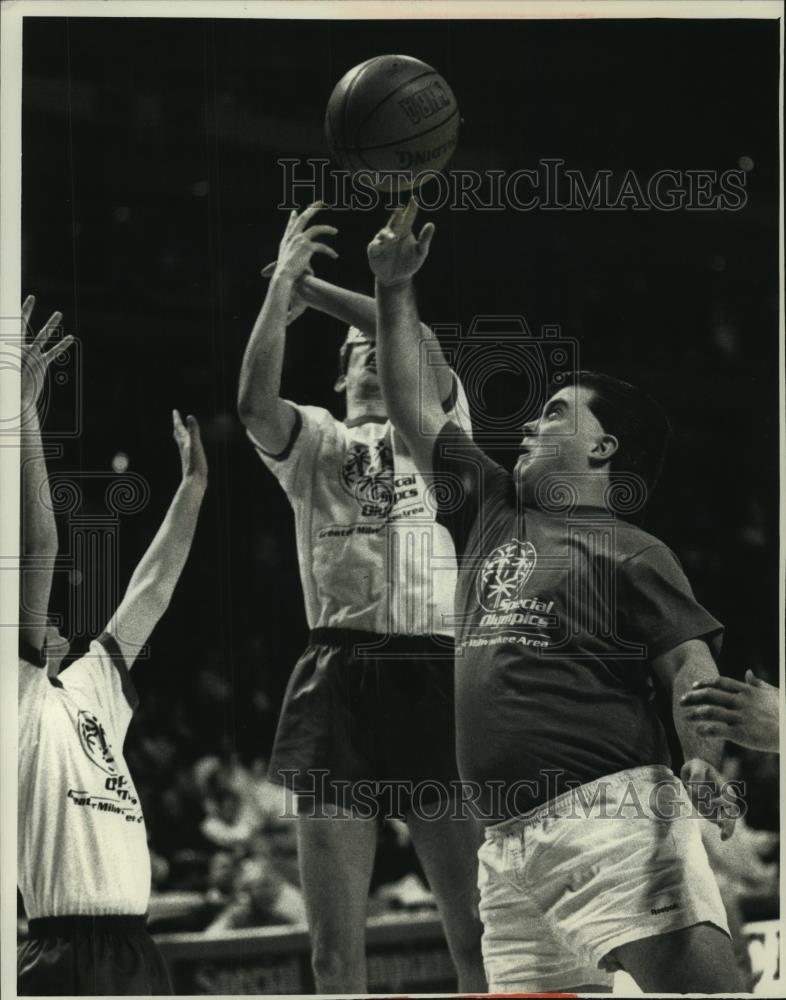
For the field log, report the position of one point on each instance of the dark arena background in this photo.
(150, 194)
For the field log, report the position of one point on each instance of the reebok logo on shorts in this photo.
(665, 909)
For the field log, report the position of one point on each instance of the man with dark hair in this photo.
(368, 710)
(565, 614)
(638, 422)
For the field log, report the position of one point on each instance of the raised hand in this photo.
(743, 712)
(189, 442)
(300, 243)
(36, 360)
(395, 254)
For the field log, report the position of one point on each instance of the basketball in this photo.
(392, 114)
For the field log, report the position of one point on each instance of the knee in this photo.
(465, 940)
(336, 961)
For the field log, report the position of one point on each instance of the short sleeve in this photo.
(465, 480)
(657, 605)
(101, 681)
(33, 690)
(313, 430)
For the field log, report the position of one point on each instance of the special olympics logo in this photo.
(94, 742)
(367, 475)
(504, 574)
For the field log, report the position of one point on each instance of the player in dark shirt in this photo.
(565, 613)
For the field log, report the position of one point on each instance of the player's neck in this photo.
(364, 411)
(586, 490)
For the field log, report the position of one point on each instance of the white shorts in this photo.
(616, 860)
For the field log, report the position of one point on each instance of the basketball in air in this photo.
(392, 114)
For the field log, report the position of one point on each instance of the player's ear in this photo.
(605, 446)
(341, 384)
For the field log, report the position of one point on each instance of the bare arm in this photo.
(409, 384)
(259, 402)
(678, 670)
(38, 535)
(153, 581)
(360, 311)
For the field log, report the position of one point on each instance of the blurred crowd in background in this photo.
(223, 836)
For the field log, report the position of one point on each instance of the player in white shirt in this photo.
(367, 725)
(83, 861)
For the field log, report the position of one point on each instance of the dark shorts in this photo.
(368, 724)
(90, 956)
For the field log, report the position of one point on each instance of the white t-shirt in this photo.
(82, 843)
(371, 555)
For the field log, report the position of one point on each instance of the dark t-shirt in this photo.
(558, 618)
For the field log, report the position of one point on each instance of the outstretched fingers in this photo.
(193, 427)
(425, 238)
(322, 230)
(394, 221)
(47, 330)
(401, 219)
(299, 222)
(27, 311)
(409, 215)
(324, 248)
(55, 352)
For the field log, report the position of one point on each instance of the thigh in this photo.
(697, 959)
(608, 882)
(521, 950)
(448, 850)
(336, 857)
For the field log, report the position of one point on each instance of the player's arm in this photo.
(38, 535)
(678, 670)
(408, 384)
(746, 712)
(360, 311)
(260, 407)
(153, 581)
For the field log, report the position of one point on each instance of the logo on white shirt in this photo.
(92, 736)
(367, 475)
